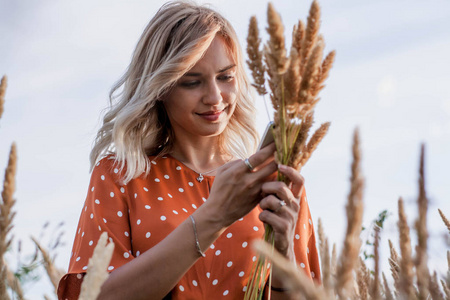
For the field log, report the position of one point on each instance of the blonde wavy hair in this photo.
(136, 125)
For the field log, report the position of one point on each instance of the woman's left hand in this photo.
(281, 205)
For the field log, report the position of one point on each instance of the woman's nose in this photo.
(213, 94)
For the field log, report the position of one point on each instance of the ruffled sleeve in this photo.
(105, 209)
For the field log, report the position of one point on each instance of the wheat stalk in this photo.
(349, 255)
(3, 85)
(374, 289)
(7, 215)
(387, 291)
(97, 272)
(13, 282)
(53, 272)
(445, 220)
(255, 61)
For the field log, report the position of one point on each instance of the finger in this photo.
(296, 179)
(280, 224)
(261, 156)
(271, 203)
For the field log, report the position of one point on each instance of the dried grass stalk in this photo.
(333, 260)
(7, 215)
(406, 274)
(434, 288)
(323, 73)
(387, 291)
(349, 256)
(311, 32)
(3, 85)
(445, 220)
(324, 258)
(423, 273)
(374, 288)
(363, 280)
(277, 47)
(293, 278)
(395, 266)
(315, 140)
(97, 272)
(53, 272)
(446, 289)
(13, 283)
(255, 61)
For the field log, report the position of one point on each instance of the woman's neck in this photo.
(201, 155)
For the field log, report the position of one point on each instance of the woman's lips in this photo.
(211, 115)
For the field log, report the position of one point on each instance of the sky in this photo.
(390, 79)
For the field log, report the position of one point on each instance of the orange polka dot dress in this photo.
(141, 213)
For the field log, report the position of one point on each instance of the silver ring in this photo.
(248, 164)
(282, 203)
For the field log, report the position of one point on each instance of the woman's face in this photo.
(203, 100)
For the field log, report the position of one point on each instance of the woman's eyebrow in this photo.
(196, 74)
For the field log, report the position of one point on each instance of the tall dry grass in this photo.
(352, 279)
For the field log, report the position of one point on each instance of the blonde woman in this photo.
(175, 182)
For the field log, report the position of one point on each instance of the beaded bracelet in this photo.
(197, 244)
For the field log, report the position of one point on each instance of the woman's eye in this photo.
(190, 84)
(226, 78)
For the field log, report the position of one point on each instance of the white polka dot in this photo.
(254, 258)
(194, 283)
(85, 268)
(244, 289)
(122, 190)
(126, 254)
(194, 206)
(218, 252)
(116, 171)
(153, 162)
(119, 213)
(181, 190)
(126, 233)
(147, 207)
(110, 268)
(185, 210)
(160, 198)
(99, 228)
(138, 253)
(255, 228)
(79, 229)
(229, 235)
(98, 164)
(145, 189)
(313, 274)
(91, 243)
(92, 216)
(181, 288)
(85, 208)
(302, 265)
(169, 195)
(148, 234)
(307, 249)
(310, 222)
(135, 195)
(111, 194)
(104, 220)
(241, 219)
(297, 236)
(102, 177)
(241, 274)
(92, 189)
(190, 183)
(178, 168)
(157, 180)
(208, 274)
(163, 218)
(203, 198)
(79, 276)
(78, 258)
(175, 212)
(304, 226)
(229, 264)
(82, 234)
(166, 176)
(215, 281)
(97, 201)
(244, 244)
(138, 221)
(212, 246)
(110, 240)
(225, 293)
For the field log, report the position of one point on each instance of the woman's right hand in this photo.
(237, 189)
